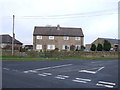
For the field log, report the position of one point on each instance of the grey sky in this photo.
(97, 18)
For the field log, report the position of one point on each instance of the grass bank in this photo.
(14, 58)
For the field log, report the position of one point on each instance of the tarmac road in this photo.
(60, 74)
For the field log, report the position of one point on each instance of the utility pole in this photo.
(13, 36)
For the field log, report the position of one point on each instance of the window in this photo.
(39, 37)
(65, 47)
(77, 38)
(51, 47)
(77, 47)
(51, 37)
(66, 38)
(38, 47)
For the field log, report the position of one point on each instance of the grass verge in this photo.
(14, 58)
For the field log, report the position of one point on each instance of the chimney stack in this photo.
(58, 27)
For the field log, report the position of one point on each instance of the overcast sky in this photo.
(97, 18)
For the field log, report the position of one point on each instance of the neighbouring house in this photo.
(50, 38)
(6, 42)
(114, 43)
(28, 47)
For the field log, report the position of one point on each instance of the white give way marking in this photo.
(45, 74)
(81, 80)
(93, 70)
(105, 84)
(61, 77)
(40, 69)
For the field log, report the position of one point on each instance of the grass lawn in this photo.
(14, 58)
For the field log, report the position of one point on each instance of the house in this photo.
(50, 38)
(6, 42)
(28, 47)
(114, 43)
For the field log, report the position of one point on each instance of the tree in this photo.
(106, 45)
(99, 47)
(93, 47)
(82, 47)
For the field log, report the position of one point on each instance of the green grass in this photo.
(15, 58)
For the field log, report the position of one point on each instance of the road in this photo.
(60, 74)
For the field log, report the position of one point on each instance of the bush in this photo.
(99, 47)
(106, 45)
(93, 47)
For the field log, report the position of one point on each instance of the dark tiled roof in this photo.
(114, 41)
(62, 32)
(8, 39)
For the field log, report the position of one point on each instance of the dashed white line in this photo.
(6, 68)
(105, 84)
(79, 81)
(42, 74)
(47, 73)
(82, 80)
(62, 76)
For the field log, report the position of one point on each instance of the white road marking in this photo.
(79, 81)
(26, 72)
(43, 68)
(82, 80)
(48, 68)
(62, 76)
(87, 71)
(105, 84)
(42, 74)
(32, 71)
(93, 72)
(6, 68)
(47, 73)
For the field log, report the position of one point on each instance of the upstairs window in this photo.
(77, 38)
(51, 37)
(66, 38)
(39, 37)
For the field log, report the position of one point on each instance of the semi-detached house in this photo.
(49, 38)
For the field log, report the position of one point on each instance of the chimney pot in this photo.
(58, 27)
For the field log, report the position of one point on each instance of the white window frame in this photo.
(51, 37)
(39, 37)
(50, 47)
(77, 38)
(38, 46)
(66, 37)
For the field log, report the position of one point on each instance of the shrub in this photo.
(99, 47)
(106, 45)
(93, 47)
